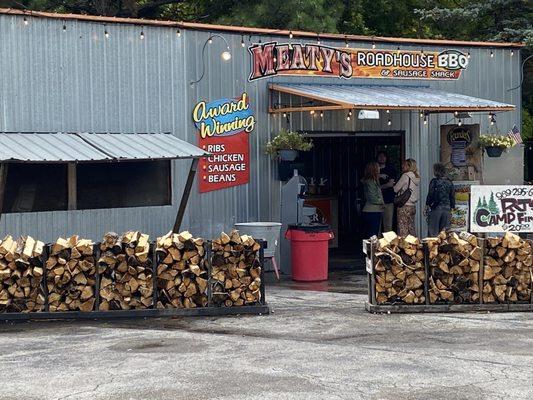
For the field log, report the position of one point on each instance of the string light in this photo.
(389, 122)
(468, 55)
(290, 35)
(425, 119)
(321, 114)
(284, 115)
(421, 114)
(387, 111)
(312, 112)
(492, 119)
(318, 39)
(346, 44)
(459, 122)
(242, 41)
(350, 113)
(373, 45)
(210, 40)
(106, 33)
(456, 113)
(491, 54)
(349, 116)
(512, 52)
(178, 32)
(141, 36)
(26, 22)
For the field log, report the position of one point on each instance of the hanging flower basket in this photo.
(287, 154)
(494, 151)
(286, 145)
(495, 145)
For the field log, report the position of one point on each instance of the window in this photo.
(35, 187)
(123, 184)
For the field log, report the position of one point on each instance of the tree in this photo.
(493, 207)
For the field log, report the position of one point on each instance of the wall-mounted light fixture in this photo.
(225, 55)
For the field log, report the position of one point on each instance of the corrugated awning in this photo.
(84, 147)
(385, 97)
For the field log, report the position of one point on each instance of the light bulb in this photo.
(26, 21)
(141, 36)
(321, 114)
(346, 44)
(106, 34)
(373, 45)
(468, 55)
(226, 55)
(242, 41)
(290, 35)
(491, 54)
(178, 33)
(284, 115)
(350, 113)
(425, 120)
(421, 114)
(459, 122)
(210, 40)
(348, 117)
(64, 28)
(512, 52)
(389, 122)
(387, 111)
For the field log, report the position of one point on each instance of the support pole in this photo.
(3, 178)
(185, 195)
(71, 186)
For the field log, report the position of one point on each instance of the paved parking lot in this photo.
(315, 345)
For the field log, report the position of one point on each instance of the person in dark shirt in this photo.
(387, 179)
(440, 201)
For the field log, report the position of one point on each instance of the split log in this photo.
(399, 267)
(454, 265)
(181, 271)
(507, 270)
(21, 275)
(71, 275)
(125, 268)
(235, 270)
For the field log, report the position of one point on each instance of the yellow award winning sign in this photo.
(271, 59)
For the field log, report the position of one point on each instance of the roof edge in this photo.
(260, 31)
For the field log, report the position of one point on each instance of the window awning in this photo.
(85, 147)
(326, 96)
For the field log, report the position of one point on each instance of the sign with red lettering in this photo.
(501, 208)
(223, 129)
(269, 59)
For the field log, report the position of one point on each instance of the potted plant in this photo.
(287, 144)
(495, 144)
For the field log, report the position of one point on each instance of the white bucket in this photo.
(268, 231)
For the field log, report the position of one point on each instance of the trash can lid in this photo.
(311, 227)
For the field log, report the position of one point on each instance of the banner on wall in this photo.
(501, 208)
(275, 58)
(223, 129)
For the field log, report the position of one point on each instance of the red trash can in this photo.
(309, 251)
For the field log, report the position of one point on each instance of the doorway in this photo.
(333, 169)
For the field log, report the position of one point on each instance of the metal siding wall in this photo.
(79, 81)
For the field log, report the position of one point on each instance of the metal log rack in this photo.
(449, 307)
(259, 308)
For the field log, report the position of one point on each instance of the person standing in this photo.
(373, 209)
(387, 178)
(440, 201)
(410, 179)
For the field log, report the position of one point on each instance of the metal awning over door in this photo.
(334, 97)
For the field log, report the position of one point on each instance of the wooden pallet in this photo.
(445, 308)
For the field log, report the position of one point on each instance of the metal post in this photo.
(3, 178)
(262, 263)
(208, 251)
(427, 269)
(185, 195)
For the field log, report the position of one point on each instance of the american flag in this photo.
(515, 135)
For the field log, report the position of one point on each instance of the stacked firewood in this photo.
(507, 269)
(71, 275)
(126, 278)
(181, 271)
(399, 267)
(21, 272)
(454, 264)
(235, 270)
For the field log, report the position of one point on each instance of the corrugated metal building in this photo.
(67, 73)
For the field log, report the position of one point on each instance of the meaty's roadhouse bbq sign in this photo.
(223, 128)
(271, 59)
(501, 208)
